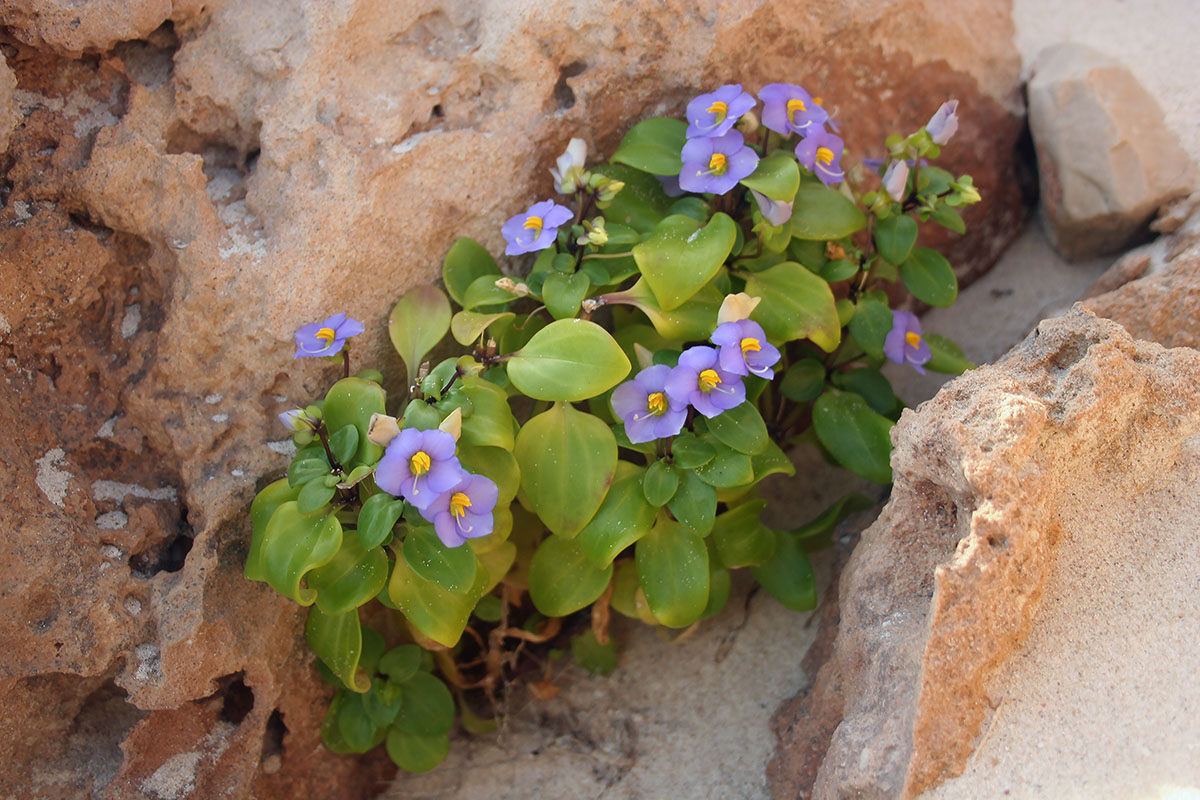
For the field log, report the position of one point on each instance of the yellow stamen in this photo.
(818, 101)
(793, 106)
(913, 339)
(459, 503)
(534, 224)
(326, 334)
(419, 463)
(825, 155)
(656, 403)
(750, 345)
(719, 108)
(709, 380)
(717, 164)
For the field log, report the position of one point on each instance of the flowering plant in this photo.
(715, 293)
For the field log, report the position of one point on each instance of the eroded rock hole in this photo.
(82, 221)
(564, 95)
(167, 555)
(237, 699)
(273, 739)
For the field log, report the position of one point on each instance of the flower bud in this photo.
(895, 181)
(748, 124)
(295, 420)
(569, 175)
(609, 190)
(596, 234)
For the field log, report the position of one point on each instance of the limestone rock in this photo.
(188, 182)
(1106, 160)
(993, 478)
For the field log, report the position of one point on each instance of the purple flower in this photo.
(464, 511)
(744, 349)
(774, 212)
(943, 123)
(715, 113)
(295, 420)
(821, 153)
(904, 344)
(895, 181)
(536, 228)
(715, 164)
(644, 406)
(700, 381)
(326, 338)
(419, 466)
(787, 108)
(670, 184)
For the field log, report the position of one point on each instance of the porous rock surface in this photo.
(938, 598)
(184, 183)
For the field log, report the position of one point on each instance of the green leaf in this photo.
(740, 428)
(680, 257)
(870, 325)
(672, 565)
(337, 640)
(661, 481)
(814, 534)
(641, 204)
(568, 360)
(771, 461)
(855, 435)
(895, 237)
(497, 464)
(948, 357)
(483, 291)
(693, 207)
(261, 510)
(377, 518)
(690, 451)
(740, 539)
(824, 214)
(929, 276)
(344, 443)
(465, 261)
(796, 304)
(352, 401)
(401, 662)
(353, 577)
(314, 496)
(490, 423)
(623, 518)
(468, 326)
(347, 728)
(719, 584)
(294, 544)
(949, 218)
(437, 613)
(562, 579)
(777, 176)
(839, 270)
(567, 460)
(694, 504)
(596, 658)
(934, 180)
(563, 293)
(513, 334)
(413, 753)
(803, 381)
(728, 468)
(303, 470)
(693, 321)
(452, 568)
(654, 145)
(869, 384)
(417, 323)
(427, 708)
(382, 703)
(787, 575)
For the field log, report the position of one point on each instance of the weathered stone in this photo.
(938, 598)
(1106, 160)
(207, 176)
(8, 110)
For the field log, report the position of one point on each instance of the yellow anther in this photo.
(326, 334)
(719, 108)
(818, 101)
(459, 503)
(717, 163)
(419, 463)
(750, 345)
(825, 155)
(793, 106)
(533, 223)
(656, 403)
(709, 379)
(913, 339)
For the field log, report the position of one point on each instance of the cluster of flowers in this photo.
(654, 404)
(941, 126)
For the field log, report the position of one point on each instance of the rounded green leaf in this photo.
(353, 577)
(690, 451)
(596, 658)
(641, 204)
(740, 428)
(654, 145)
(672, 565)
(468, 326)
(869, 384)
(796, 304)
(693, 321)
(895, 237)
(695, 503)
(465, 261)
(567, 460)
(352, 401)
(401, 662)
(377, 518)
(483, 291)
(929, 276)
(314, 496)
(496, 463)
(337, 640)
(719, 584)
(562, 293)
(437, 613)
(262, 509)
(452, 568)
(771, 461)
(490, 423)
(623, 517)
(824, 214)
(788, 575)
(427, 708)
(303, 470)
(417, 323)
(382, 703)
(562, 579)
(740, 539)
(344, 443)
(839, 270)
(413, 753)
(568, 360)
(948, 357)
(358, 730)
(728, 468)
(870, 325)
(294, 544)
(856, 436)
(680, 257)
(777, 176)
(661, 481)
(803, 380)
